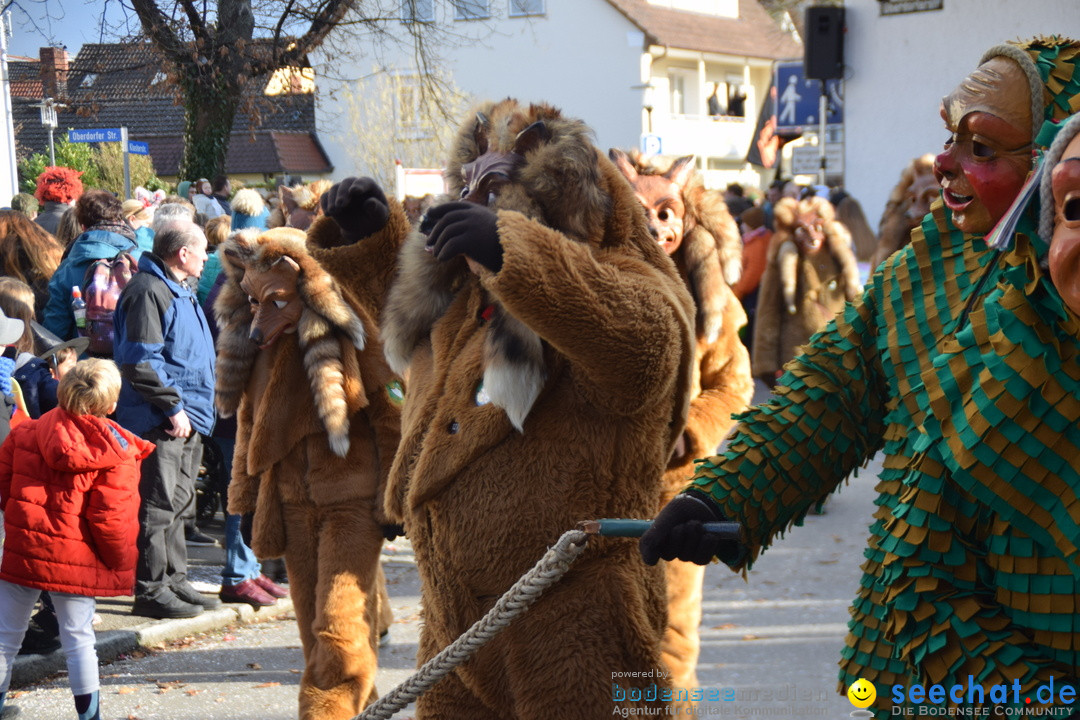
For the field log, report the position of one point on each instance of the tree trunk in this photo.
(210, 101)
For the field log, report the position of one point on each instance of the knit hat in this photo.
(249, 210)
(753, 217)
(59, 184)
(24, 203)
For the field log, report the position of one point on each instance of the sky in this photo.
(38, 23)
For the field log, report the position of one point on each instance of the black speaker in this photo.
(824, 49)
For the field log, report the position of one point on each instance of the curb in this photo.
(111, 644)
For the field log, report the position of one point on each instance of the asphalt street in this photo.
(770, 643)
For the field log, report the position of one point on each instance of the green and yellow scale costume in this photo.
(963, 365)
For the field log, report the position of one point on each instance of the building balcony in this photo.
(724, 137)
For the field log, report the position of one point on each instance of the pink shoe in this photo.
(271, 587)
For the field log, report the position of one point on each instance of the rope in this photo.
(514, 602)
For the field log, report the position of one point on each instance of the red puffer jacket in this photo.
(69, 489)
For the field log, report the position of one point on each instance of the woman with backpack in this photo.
(105, 236)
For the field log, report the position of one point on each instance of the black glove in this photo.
(247, 521)
(358, 206)
(464, 228)
(677, 533)
(390, 532)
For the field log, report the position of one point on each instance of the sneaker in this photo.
(171, 607)
(246, 592)
(189, 594)
(271, 587)
(197, 538)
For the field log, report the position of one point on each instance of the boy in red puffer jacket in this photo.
(69, 489)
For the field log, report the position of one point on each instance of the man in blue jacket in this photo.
(166, 357)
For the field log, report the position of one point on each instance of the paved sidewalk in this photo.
(120, 632)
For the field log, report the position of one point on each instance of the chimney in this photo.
(54, 71)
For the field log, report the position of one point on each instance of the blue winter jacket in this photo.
(165, 352)
(90, 246)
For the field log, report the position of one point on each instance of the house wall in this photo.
(899, 67)
(583, 57)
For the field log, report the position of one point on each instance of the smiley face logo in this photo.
(862, 693)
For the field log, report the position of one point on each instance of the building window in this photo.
(521, 8)
(418, 11)
(88, 80)
(471, 9)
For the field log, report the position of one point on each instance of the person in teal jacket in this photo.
(959, 362)
(105, 234)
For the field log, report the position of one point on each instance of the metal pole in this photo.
(9, 183)
(52, 150)
(127, 164)
(823, 108)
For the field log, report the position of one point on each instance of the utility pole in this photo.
(9, 175)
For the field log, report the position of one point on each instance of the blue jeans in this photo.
(240, 562)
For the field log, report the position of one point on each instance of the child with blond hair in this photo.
(69, 490)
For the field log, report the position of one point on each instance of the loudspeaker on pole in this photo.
(824, 50)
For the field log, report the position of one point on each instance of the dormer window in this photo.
(88, 80)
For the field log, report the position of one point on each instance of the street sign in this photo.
(119, 135)
(651, 144)
(806, 160)
(99, 135)
(798, 99)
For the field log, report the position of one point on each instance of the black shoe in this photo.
(9, 712)
(189, 594)
(171, 607)
(38, 641)
(197, 538)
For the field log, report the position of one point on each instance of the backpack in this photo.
(102, 284)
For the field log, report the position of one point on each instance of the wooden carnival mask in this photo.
(275, 301)
(988, 154)
(1064, 258)
(662, 197)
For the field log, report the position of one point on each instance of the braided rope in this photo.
(514, 602)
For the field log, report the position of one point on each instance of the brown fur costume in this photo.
(549, 392)
(849, 213)
(800, 292)
(318, 424)
(908, 202)
(710, 251)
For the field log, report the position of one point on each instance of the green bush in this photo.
(77, 156)
(102, 165)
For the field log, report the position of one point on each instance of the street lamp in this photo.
(48, 119)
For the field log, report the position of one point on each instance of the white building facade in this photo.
(628, 68)
(898, 67)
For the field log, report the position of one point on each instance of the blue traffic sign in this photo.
(97, 135)
(138, 148)
(798, 99)
(651, 144)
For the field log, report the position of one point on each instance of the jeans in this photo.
(76, 616)
(240, 562)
